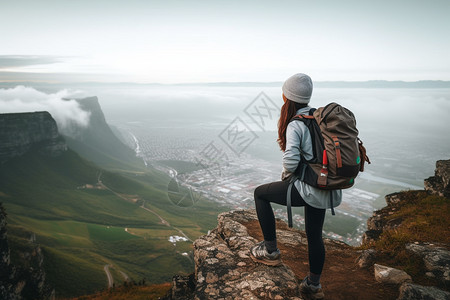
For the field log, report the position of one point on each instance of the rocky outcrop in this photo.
(4, 248)
(380, 220)
(410, 291)
(21, 132)
(436, 260)
(435, 256)
(24, 281)
(439, 184)
(224, 269)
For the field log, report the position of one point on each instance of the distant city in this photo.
(230, 182)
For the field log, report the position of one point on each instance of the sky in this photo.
(223, 41)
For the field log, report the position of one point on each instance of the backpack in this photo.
(338, 153)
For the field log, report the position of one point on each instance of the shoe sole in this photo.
(308, 295)
(272, 263)
(311, 297)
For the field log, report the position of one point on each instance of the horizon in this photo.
(382, 81)
(179, 42)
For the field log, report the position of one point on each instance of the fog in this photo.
(405, 125)
(28, 99)
(390, 111)
(408, 125)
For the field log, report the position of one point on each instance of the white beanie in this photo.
(298, 88)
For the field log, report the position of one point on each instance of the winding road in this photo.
(108, 274)
(163, 221)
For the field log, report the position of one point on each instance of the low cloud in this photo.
(26, 99)
(14, 61)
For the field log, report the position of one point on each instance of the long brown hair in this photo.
(288, 111)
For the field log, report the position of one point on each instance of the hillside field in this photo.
(85, 218)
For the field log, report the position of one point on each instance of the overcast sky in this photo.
(212, 41)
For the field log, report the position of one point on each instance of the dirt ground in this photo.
(341, 278)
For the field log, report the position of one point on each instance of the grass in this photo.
(82, 230)
(130, 291)
(422, 218)
(108, 233)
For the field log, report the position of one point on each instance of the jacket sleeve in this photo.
(291, 156)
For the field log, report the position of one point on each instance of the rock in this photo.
(389, 275)
(224, 269)
(439, 184)
(20, 132)
(182, 287)
(393, 199)
(21, 281)
(436, 259)
(367, 258)
(380, 220)
(4, 248)
(410, 291)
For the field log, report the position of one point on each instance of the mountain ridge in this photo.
(97, 142)
(84, 217)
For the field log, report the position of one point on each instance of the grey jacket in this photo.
(298, 142)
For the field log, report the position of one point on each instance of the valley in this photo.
(104, 212)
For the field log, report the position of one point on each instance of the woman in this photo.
(295, 141)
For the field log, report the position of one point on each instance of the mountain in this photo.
(91, 224)
(97, 142)
(23, 131)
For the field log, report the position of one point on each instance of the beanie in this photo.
(298, 88)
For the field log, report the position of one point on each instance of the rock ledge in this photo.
(224, 269)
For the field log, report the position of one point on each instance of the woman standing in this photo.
(295, 141)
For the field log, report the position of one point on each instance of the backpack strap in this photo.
(289, 200)
(331, 203)
(337, 146)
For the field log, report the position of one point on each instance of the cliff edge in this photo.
(20, 132)
(378, 269)
(25, 280)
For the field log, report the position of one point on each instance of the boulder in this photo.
(367, 258)
(390, 275)
(410, 291)
(436, 259)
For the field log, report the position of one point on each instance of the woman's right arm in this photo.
(298, 142)
(291, 155)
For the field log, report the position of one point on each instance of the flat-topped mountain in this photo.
(20, 132)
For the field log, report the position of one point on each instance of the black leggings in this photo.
(314, 217)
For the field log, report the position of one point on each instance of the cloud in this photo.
(66, 111)
(15, 61)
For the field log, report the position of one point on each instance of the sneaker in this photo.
(260, 254)
(311, 291)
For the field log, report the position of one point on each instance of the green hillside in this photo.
(85, 218)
